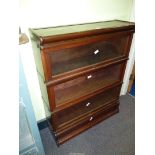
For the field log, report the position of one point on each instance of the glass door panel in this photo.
(74, 89)
(82, 56)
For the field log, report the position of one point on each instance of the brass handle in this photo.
(89, 76)
(88, 104)
(97, 51)
(91, 118)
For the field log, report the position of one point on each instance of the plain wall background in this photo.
(34, 13)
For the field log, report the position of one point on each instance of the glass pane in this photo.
(73, 58)
(25, 136)
(83, 85)
(27, 145)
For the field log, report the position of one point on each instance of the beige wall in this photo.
(42, 13)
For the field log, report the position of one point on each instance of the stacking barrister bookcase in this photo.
(80, 69)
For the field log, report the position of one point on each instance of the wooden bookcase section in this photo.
(82, 68)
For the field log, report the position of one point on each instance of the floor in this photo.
(114, 136)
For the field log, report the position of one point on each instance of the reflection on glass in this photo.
(83, 85)
(73, 58)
